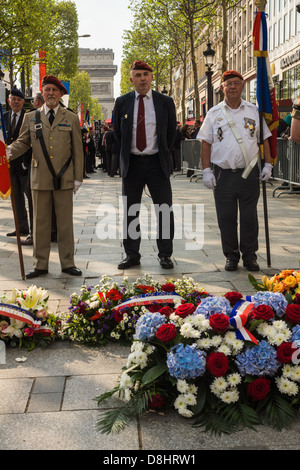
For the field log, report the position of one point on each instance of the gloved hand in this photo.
(8, 153)
(77, 185)
(266, 172)
(209, 179)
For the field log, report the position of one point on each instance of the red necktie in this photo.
(140, 129)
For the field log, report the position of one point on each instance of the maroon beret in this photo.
(140, 65)
(231, 74)
(51, 80)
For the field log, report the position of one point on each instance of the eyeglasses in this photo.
(233, 84)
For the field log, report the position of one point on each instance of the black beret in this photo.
(16, 92)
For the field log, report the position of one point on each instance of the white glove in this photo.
(266, 172)
(209, 179)
(77, 185)
(8, 153)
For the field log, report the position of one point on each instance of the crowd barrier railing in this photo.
(190, 151)
(287, 167)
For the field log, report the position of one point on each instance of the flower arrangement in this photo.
(110, 311)
(227, 362)
(25, 319)
(287, 282)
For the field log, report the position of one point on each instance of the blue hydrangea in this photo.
(259, 360)
(276, 300)
(211, 305)
(295, 338)
(147, 325)
(186, 362)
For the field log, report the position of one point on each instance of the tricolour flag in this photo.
(5, 188)
(265, 92)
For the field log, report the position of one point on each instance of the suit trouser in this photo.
(146, 171)
(232, 194)
(42, 216)
(19, 185)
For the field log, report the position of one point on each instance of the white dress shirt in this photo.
(46, 110)
(225, 150)
(150, 126)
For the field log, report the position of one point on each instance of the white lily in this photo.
(15, 328)
(33, 297)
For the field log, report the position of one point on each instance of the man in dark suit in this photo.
(146, 138)
(19, 167)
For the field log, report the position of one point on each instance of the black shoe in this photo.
(36, 273)
(231, 265)
(73, 271)
(251, 265)
(128, 262)
(166, 262)
(14, 234)
(28, 241)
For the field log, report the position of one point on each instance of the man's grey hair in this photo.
(39, 96)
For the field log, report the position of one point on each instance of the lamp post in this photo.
(164, 90)
(85, 36)
(209, 54)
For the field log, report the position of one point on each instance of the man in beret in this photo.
(19, 168)
(230, 136)
(61, 133)
(145, 128)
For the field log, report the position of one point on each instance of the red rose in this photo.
(118, 316)
(292, 313)
(153, 307)
(297, 299)
(262, 312)
(166, 311)
(219, 322)
(184, 310)
(169, 287)
(166, 332)
(233, 297)
(259, 389)
(156, 401)
(285, 352)
(217, 364)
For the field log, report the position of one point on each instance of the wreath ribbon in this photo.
(238, 320)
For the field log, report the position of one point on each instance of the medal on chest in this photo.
(251, 125)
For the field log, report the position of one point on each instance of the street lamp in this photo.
(209, 60)
(164, 90)
(85, 36)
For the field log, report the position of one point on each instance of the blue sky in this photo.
(105, 21)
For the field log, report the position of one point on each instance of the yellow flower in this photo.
(267, 283)
(33, 296)
(290, 281)
(278, 287)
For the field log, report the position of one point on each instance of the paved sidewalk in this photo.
(47, 402)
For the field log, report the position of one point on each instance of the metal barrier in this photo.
(287, 167)
(190, 158)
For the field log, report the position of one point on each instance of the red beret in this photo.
(51, 80)
(231, 74)
(140, 65)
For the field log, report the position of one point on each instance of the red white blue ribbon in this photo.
(147, 299)
(239, 317)
(25, 316)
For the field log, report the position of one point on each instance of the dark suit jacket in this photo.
(165, 127)
(24, 159)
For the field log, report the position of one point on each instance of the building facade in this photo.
(283, 21)
(99, 64)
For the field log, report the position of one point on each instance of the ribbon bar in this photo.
(238, 320)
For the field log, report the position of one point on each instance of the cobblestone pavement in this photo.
(47, 402)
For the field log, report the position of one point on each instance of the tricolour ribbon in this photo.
(18, 313)
(239, 317)
(146, 299)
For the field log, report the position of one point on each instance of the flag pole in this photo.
(13, 203)
(260, 5)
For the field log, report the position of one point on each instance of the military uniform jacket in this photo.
(62, 140)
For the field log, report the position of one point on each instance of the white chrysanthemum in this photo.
(180, 402)
(176, 319)
(188, 331)
(277, 339)
(279, 324)
(190, 399)
(182, 386)
(125, 381)
(192, 389)
(185, 412)
(230, 396)
(230, 337)
(287, 370)
(234, 379)
(286, 386)
(216, 341)
(218, 385)
(224, 349)
(204, 343)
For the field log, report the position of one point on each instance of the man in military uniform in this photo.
(61, 134)
(295, 125)
(230, 136)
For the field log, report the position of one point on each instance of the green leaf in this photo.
(279, 412)
(201, 398)
(153, 373)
